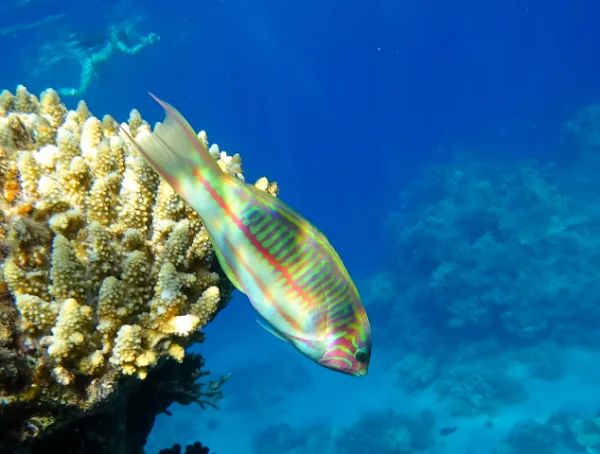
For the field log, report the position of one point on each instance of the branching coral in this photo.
(121, 424)
(104, 269)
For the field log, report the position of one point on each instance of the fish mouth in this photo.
(361, 373)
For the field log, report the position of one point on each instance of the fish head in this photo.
(348, 351)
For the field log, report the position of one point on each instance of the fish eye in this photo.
(361, 355)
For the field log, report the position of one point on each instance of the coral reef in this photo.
(472, 241)
(475, 389)
(484, 249)
(105, 272)
(499, 255)
(544, 361)
(282, 438)
(416, 372)
(122, 423)
(388, 432)
(381, 432)
(550, 437)
(587, 433)
(528, 437)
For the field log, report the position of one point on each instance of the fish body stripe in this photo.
(308, 266)
(235, 260)
(301, 265)
(239, 261)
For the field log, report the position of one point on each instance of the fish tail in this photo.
(177, 154)
(184, 162)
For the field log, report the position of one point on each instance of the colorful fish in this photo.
(292, 275)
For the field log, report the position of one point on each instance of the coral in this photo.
(282, 438)
(416, 371)
(380, 292)
(195, 448)
(528, 437)
(381, 432)
(550, 437)
(587, 432)
(544, 361)
(122, 423)
(475, 389)
(484, 249)
(104, 271)
(387, 432)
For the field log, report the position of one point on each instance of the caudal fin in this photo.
(174, 150)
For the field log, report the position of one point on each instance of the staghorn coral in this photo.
(104, 270)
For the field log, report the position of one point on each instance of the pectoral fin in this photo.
(271, 330)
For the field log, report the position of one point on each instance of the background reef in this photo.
(449, 150)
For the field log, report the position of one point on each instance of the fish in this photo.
(447, 431)
(292, 275)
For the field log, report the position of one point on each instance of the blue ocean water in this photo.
(450, 152)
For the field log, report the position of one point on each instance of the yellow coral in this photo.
(108, 267)
(128, 346)
(207, 304)
(73, 329)
(52, 109)
(37, 315)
